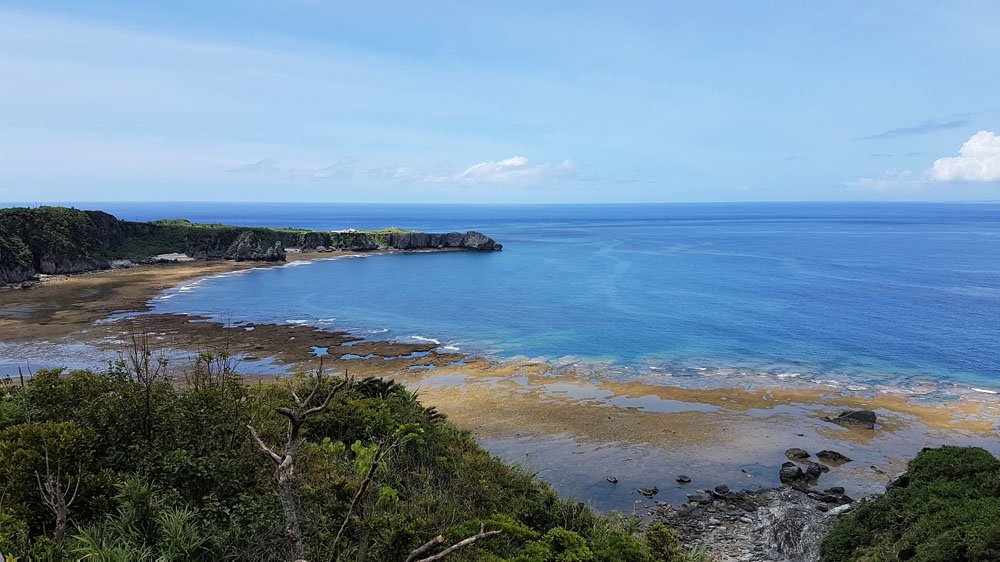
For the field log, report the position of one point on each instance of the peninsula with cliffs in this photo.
(62, 240)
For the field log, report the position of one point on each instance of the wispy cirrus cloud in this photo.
(515, 169)
(889, 180)
(267, 166)
(924, 127)
(344, 168)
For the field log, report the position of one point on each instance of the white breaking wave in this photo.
(431, 340)
(983, 390)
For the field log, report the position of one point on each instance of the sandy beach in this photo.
(575, 429)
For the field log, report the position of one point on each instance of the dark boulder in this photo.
(684, 479)
(832, 457)
(796, 454)
(815, 470)
(648, 492)
(791, 474)
(854, 418)
(700, 497)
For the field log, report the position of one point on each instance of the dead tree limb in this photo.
(413, 557)
(284, 472)
(424, 548)
(54, 495)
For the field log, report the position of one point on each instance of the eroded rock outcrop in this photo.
(250, 247)
(783, 524)
(356, 241)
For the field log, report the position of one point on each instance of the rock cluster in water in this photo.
(780, 524)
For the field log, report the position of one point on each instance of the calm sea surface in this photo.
(855, 294)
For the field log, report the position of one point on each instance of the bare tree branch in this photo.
(326, 402)
(274, 456)
(284, 473)
(482, 534)
(54, 495)
(424, 548)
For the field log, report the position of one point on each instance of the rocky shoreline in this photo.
(770, 525)
(782, 524)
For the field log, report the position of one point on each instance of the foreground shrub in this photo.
(171, 472)
(945, 508)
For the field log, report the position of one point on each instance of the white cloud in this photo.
(343, 168)
(511, 170)
(890, 180)
(266, 166)
(978, 161)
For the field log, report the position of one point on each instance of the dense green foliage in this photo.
(170, 472)
(945, 508)
(29, 237)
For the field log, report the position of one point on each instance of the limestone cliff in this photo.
(53, 240)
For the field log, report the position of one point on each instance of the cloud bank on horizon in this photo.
(978, 161)
(631, 102)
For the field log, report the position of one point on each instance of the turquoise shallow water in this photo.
(853, 294)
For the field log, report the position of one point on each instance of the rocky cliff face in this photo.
(250, 247)
(15, 275)
(419, 240)
(53, 240)
(367, 241)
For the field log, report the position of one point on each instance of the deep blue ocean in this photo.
(852, 294)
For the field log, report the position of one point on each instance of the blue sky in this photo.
(313, 100)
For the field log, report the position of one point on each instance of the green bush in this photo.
(946, 507)
(169, 472)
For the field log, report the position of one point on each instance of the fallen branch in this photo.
(482, 534)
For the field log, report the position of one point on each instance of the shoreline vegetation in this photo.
(737, 436)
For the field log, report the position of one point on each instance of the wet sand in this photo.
(574, 429)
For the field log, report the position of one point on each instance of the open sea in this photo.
(857, 295)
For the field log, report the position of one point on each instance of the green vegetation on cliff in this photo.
(128, 465)
(45, 237)
(65, 240)
(945, 508)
